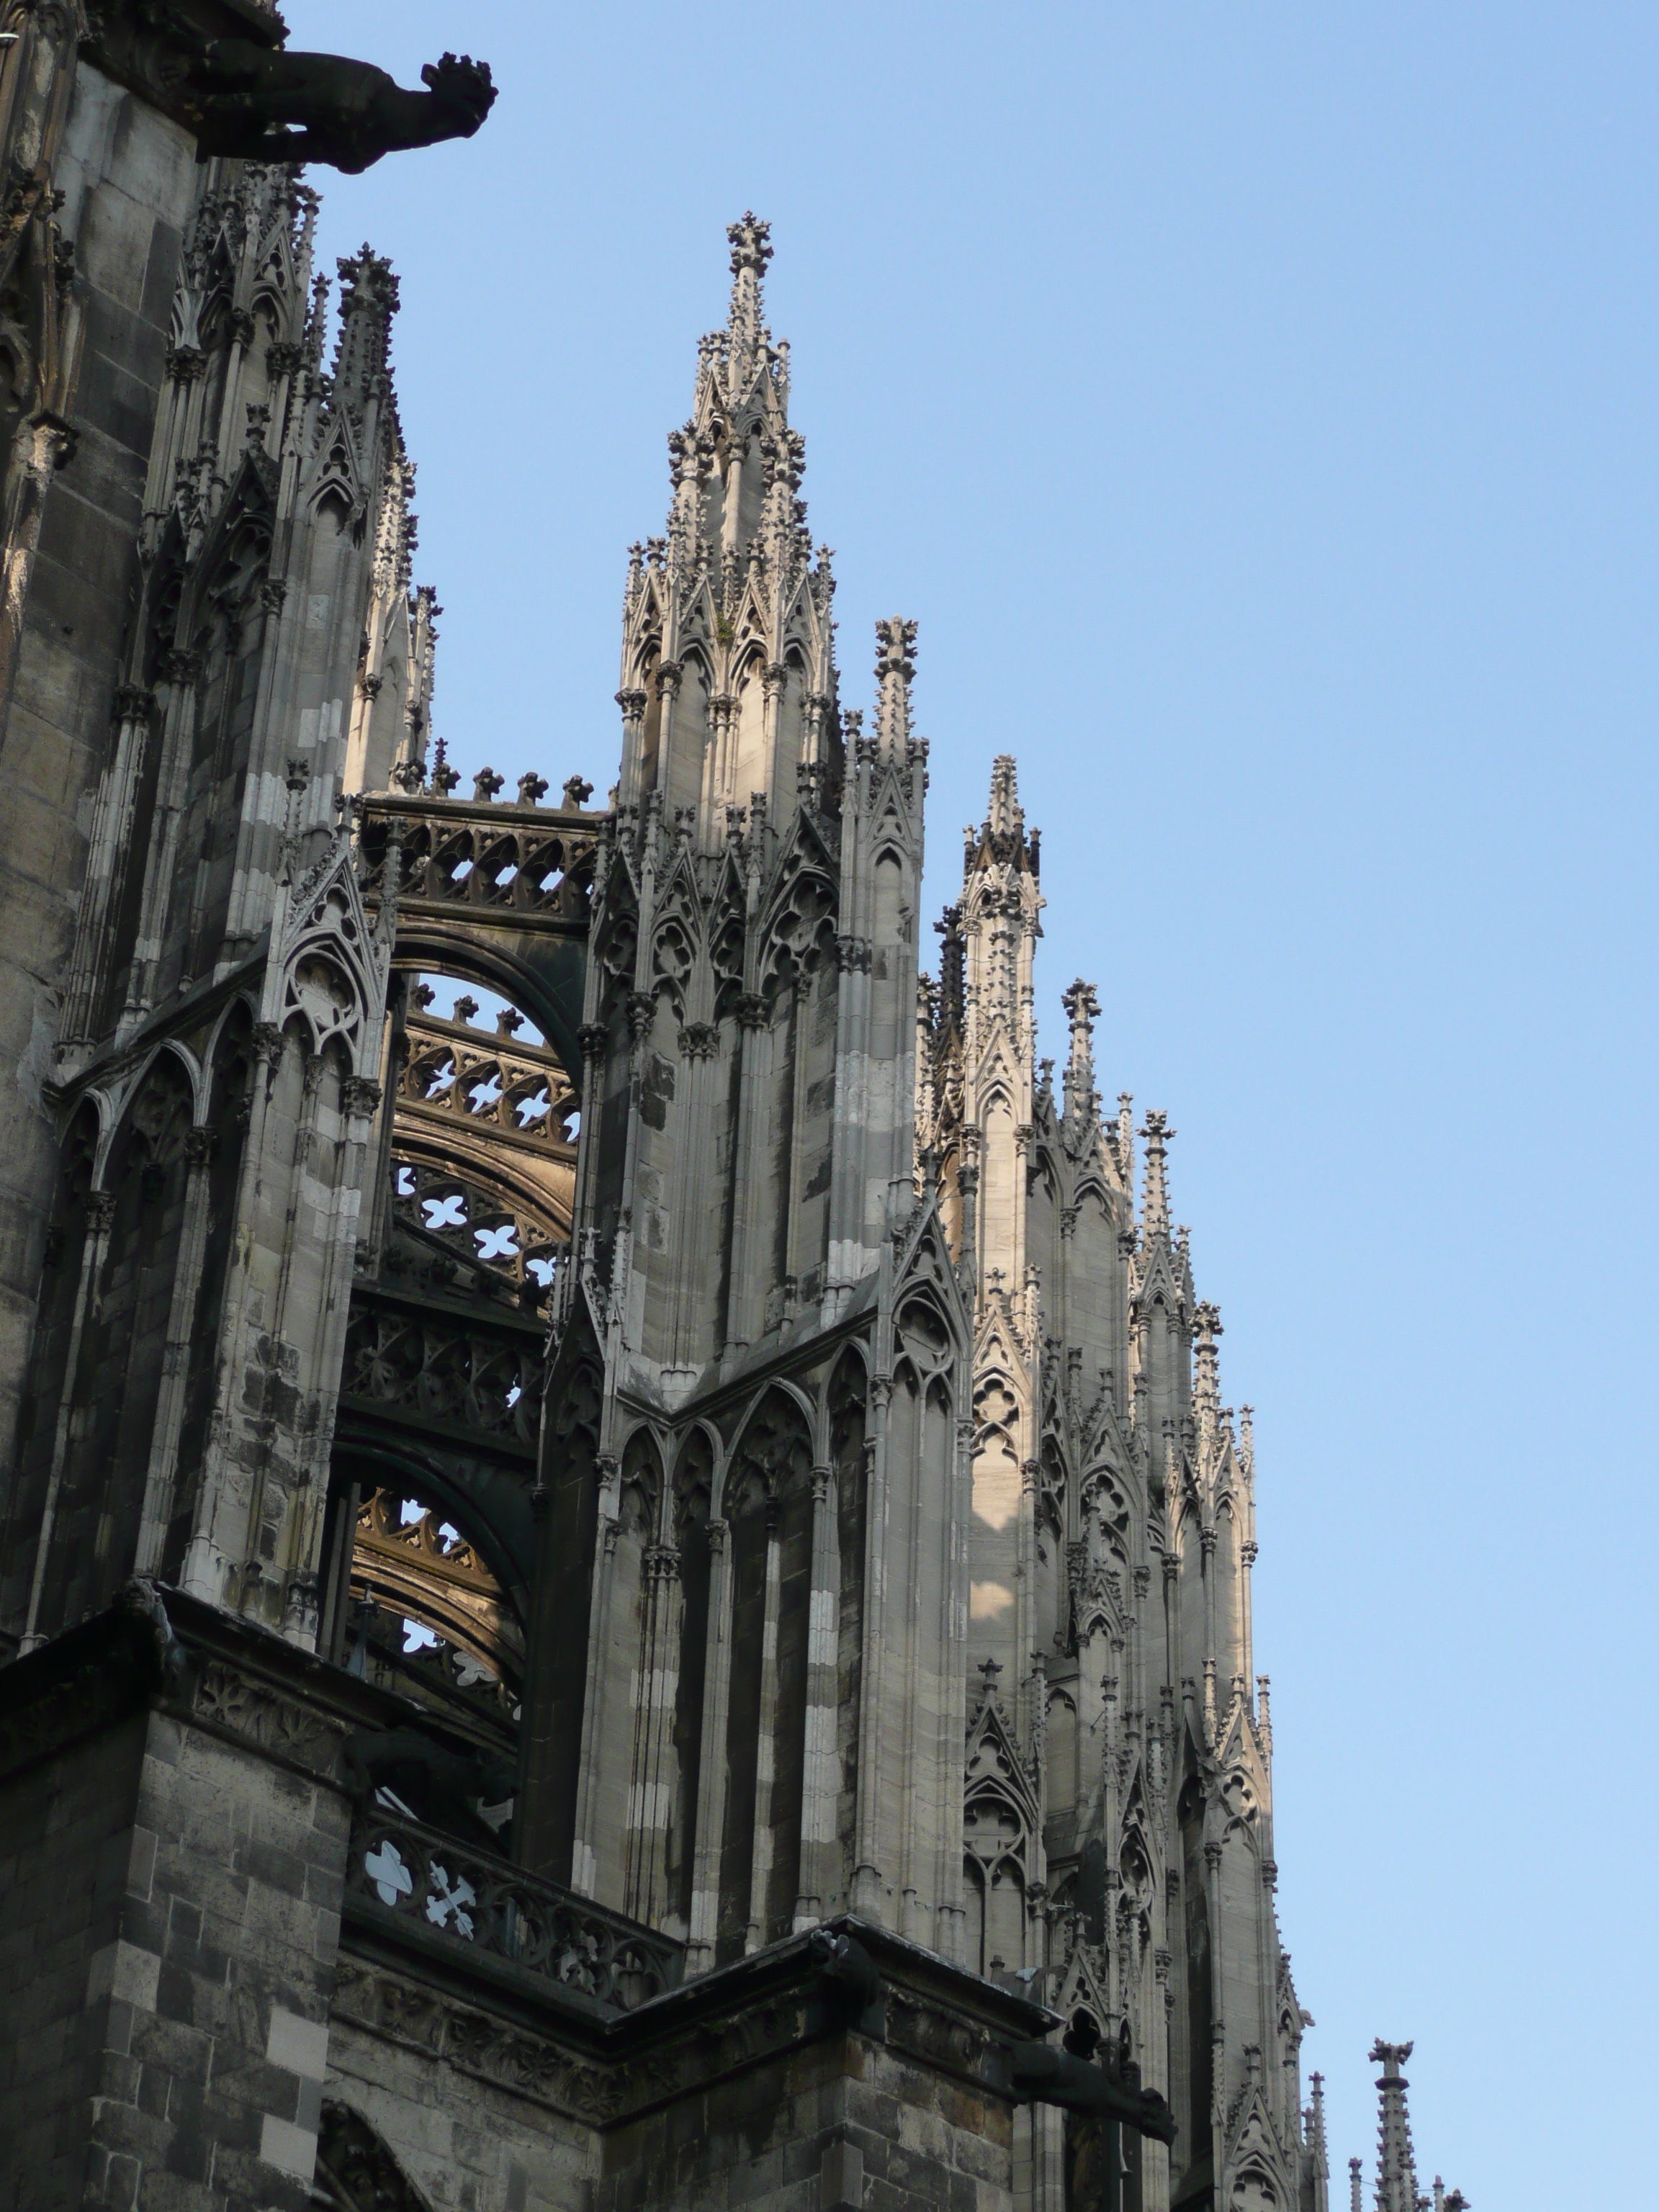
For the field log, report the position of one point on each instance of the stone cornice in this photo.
(518, 2032)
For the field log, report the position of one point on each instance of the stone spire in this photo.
(896, 645)
(728, 678)
(747, 338)
(1313, 2128)
(1082, 1099)
(1155, 1204)
(1007, 816)
(1207, 1376)
(1396, 2166)
(1356, 2168)
(368, 301)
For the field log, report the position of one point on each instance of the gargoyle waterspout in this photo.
(257, 105)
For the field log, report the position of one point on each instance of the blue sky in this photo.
(1254, 406)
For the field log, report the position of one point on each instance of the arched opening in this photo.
(425, 1614)
(117, 1377)
(484, 1144)
(693, 1490)
(229, 1102)
(355, 2172)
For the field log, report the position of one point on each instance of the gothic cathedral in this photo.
(639, 1599)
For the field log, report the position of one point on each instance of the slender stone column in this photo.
(711, 1766)
(107, 861)
(583, 1860)
(717, 793)
(180, 670)
(101, 1215)
(867, 1874)
(202, 1574)
(633, 702)
(775, 675)
(745, 1314)
(175, 1356)
(656, 1681)
(817, 1810)
(760, 1865)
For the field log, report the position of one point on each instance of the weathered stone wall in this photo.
(69, 1859)
(750, 2088)
(467, 2145)
(845, 2122)
(129, 176)
(173, 1920)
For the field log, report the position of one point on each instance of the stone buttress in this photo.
(508, 1534)
(220, 1046)
(1118, 1836)
(748, 1647)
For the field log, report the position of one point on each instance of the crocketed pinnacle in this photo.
(896, 645)
(1396, 2165)
(368, 301)
(1206, 1377)
(1315, 2130)
(1082, 1009)
(1007, 816)
(747, 337)
(1155, 1204)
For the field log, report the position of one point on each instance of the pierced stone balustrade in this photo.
(469, 1896)
(520, 861)
(479, 1376)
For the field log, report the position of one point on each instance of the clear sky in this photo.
(1255, 407)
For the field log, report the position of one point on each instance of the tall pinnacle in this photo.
(1207, 1382)
(1315, 2119)
(1082, 1007)
(1007, 816)
(1396, 2165)
(746, 332)
(896, 645)
(1155, 1205)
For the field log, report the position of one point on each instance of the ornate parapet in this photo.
(430, 1883)
(521, 860)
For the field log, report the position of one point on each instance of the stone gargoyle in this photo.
(255, 104)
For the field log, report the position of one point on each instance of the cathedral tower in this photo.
(1118, 1835)
(747, 1656)
(508, 1533)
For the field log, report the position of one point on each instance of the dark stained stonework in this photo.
(178, 1829)
(596, 1599)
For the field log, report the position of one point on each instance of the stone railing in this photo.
(482, 1375)
(506, 860)
(472, 1898)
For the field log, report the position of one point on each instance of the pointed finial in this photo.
(1396, 2166)
(745, 333)
(1355, 2170)
(751, 240)
(1206, 1360)
(895, 645)
(1082, 1006)
(1007, 817)
(1155, 1207)
(1316, 2120)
